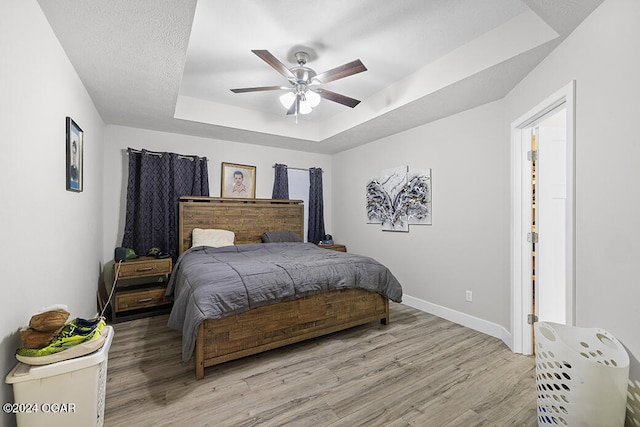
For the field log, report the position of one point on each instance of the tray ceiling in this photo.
(169, 65)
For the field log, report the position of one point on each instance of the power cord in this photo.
(113, 288)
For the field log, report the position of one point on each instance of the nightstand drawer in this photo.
(140, 287)
(334, 247)
(144, 267)
(143, 298)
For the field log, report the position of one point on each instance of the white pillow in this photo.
(212, 237)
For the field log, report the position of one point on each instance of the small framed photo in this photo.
(74, 156)
(238, 181)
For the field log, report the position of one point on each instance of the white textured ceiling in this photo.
(169, 65)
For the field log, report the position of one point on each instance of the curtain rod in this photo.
(154, 153)
(296, 169)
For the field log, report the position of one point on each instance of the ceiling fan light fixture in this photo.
(308, 100)
(287, 99)
(301, 99)
(313, 99)
(305, 108)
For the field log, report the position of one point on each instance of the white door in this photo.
(543, 202)
(551, 211)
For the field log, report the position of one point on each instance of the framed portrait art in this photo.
(74, 156)
(238, 181)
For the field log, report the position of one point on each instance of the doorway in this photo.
(543, 216)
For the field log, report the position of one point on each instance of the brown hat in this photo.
(50, 320)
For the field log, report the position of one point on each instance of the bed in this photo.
(235, 301)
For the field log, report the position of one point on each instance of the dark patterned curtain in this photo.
(316, 207)
(280, 183)
(156, 182)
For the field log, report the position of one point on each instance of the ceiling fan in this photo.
(303, 93)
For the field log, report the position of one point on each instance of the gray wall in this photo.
(602, 56)
(50, 250)
(118, 138)
(467, 247)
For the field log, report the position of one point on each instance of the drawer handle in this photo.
(144, 300)
(145, 269)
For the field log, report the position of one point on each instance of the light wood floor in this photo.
(419, 370)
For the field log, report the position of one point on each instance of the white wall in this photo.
(118, 138)
(50, 250)
(602, 56)
(467, 247)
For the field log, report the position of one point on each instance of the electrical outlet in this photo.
(469, 296)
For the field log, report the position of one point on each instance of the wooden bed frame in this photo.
(265, 328)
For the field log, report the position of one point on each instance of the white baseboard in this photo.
(475, 323)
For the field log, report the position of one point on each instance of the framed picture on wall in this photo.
(74, 156)
(238, 181)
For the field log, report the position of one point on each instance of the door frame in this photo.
(521, 295)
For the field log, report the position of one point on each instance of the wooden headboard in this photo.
(247, 218)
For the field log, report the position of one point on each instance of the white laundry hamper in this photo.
(582, 376)
(67, 393)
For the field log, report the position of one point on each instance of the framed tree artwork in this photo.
(74, 156)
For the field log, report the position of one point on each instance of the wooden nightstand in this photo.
(141, 284)
(334, 247)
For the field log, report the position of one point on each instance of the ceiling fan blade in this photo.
(346, 70)
(295, 107)
(340, 99)
(258, 89)
(267, 57)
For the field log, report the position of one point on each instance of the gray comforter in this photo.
(210, 283)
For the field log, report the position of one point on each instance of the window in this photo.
(299, 190)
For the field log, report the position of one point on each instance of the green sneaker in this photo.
(75, 332)
(78, 328)
(94, 343)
